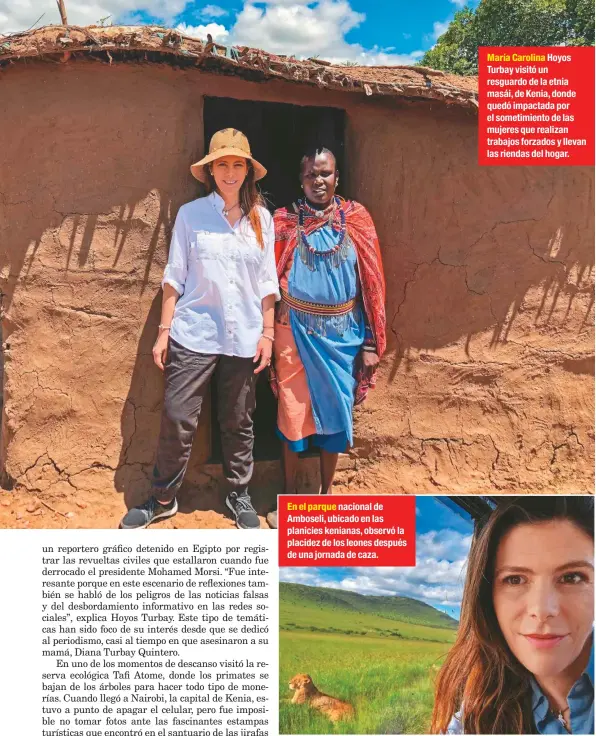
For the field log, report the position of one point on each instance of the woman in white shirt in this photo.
(219, 291)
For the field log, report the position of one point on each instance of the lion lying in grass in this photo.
(305, 691)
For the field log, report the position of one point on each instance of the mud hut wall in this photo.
(94, 166)
(90, 186)
(488, 381)
(486, 384)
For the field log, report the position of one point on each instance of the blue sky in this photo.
(367, 31)
(442, 544)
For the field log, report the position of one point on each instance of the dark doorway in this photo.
(278, 135)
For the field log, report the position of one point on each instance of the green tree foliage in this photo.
(581, 22)
(510, 23)
(452, 50)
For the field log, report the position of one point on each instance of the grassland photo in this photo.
(378, 653)
(360, 647)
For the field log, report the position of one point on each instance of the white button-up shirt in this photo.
(221, 274)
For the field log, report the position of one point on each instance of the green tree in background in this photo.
(454, 50)
(510, 23)
(581, 22)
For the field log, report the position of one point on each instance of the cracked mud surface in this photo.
(487, 385)
(25, 510)
(200, 506)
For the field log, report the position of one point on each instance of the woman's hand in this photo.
(263, 355)
(370, 361)
(160, 349)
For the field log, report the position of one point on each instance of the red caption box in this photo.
(345, 531)
(536, 106)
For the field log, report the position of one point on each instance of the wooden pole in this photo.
(62, 10)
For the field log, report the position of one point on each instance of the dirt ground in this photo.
(63, 507)
(198, 510)
(27, 510)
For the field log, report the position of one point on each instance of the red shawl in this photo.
(362, 232)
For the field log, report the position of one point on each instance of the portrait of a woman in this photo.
(330, 323)
(219, 292)
(523, 659)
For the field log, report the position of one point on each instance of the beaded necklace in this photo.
(308, 253)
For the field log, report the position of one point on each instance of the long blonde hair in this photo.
(250, 199)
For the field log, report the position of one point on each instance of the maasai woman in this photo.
(330, 323)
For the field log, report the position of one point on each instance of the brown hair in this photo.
(250, 199)
(480, 676)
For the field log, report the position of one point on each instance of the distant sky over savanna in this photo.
(383, 32)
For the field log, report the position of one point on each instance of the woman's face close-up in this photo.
(229, 173)
(318, 178)
(543, 595)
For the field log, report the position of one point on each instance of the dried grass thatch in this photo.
(157, 44)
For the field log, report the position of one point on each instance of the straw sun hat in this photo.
(227, 142)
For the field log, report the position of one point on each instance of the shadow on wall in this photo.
(86, 207)
(88, 197)
(94, 281)
(517, 277)
(149, 214)
(469, 249)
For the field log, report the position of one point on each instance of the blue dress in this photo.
(327, 345)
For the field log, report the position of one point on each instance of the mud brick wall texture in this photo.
(487, 385)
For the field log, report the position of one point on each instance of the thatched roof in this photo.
(156, 44)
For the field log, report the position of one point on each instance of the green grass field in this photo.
(383, 666)
(396, 608)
